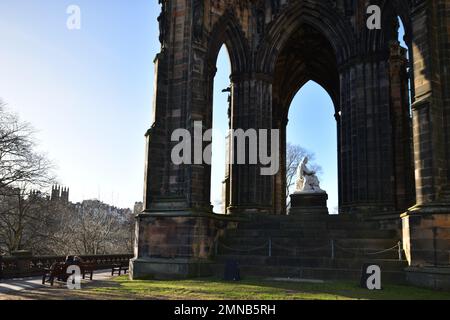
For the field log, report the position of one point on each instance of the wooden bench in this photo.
(87, 269)
(57, 271)
(119, 268)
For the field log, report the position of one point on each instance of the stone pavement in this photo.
(32, 288)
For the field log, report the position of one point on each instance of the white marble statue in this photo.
(307, 180)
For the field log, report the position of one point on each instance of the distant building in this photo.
(60, 194)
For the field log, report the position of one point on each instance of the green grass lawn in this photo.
(256, 289)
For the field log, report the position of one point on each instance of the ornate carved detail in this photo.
(162, 20)
(199, 15)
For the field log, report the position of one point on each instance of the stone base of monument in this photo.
(176, 243)
(169, 269)
(309, 203)
(426, 243)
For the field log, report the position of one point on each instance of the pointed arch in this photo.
(378, 40)
(320, 16)
(306, 55)
(228, 31)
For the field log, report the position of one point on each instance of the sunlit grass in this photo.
(258, 289)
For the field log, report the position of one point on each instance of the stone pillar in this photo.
(401, 128)
(366, 158)
(176, 232)
(337, 116)
(426, 226)
(251, 192)
(279, 193)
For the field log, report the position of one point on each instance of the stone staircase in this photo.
(311, 247)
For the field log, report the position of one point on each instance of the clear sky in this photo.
(89, 92)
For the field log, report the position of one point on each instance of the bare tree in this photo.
(22, 170)
(31, 220)
(294, 155)
(19, 161)
(93, 227)
(26, 220)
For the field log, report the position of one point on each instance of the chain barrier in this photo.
(398, 247)
(297, 251)
(243, 250)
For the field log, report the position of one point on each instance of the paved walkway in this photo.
(32, 288)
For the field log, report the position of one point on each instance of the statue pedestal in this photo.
(309, 203)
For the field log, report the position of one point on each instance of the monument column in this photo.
(401, 126)
(426, 226)
(176, 232)
(366, 159)
(280, 180)
(251, 191)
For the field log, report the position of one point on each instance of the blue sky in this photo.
(89, 93)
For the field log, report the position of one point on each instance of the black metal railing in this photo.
(14, 267)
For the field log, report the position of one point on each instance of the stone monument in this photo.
(392, 154)
(308, 198)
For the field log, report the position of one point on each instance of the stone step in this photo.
(314, 233)
(317, 262)
(330, 274)
(321, 225)
(312, 222)
(301, 247)
(295, 251)
(306, 217)
(309, 243)
(346, 218)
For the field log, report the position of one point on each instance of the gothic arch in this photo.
(376, 40)
(398, 8)
(318, 15)
(307, 55)
(300, 48)
(227, 30)
(403, 10)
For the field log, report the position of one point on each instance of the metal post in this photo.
(400, 251)
(270, 247)
(332, 249)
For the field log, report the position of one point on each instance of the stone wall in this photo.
(176, 246)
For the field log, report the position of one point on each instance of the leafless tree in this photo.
(26, 220)
(31, 220)
(19, 161)
(22, 170)
(93, 227)
(294, 155)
